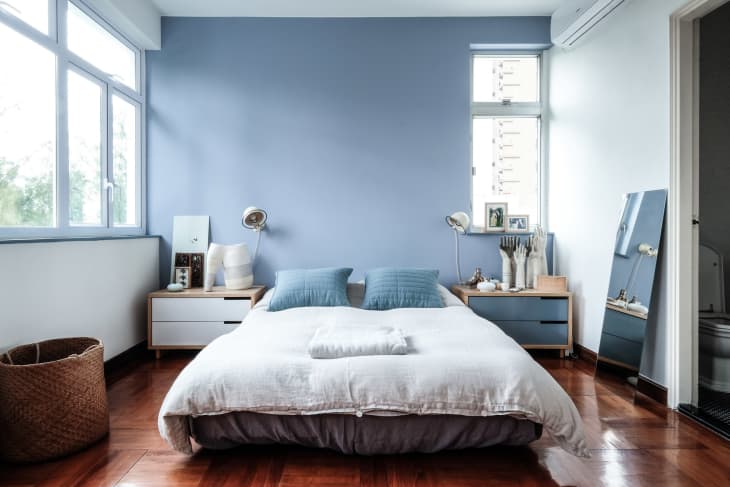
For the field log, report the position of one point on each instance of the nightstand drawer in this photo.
(188, 333)
(520, 308)
(625, 326)
(535, 332)
(199, 309)
(620, 350)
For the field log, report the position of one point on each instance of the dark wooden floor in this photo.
(633, 441)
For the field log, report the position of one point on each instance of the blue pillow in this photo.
(310, 287)
(390, 288)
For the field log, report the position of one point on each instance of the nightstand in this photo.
(193, 318)
(534, 319)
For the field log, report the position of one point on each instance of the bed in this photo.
(463, 384)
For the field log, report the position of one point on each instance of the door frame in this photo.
(683, 244)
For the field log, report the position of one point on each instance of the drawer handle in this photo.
(552, 297)
(232, 298)
(232, 322)
(549, 322)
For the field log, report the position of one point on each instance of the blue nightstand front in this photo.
(532, 318)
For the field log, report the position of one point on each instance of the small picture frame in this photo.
(518, 223)
(495, 215)
(195, 261)
(183, 276)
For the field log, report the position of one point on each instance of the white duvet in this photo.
(457, 363)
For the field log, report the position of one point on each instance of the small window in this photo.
(500, 78)
(506, 130)
(95, 44)
(32, 12)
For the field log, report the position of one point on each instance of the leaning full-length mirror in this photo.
(628, 302)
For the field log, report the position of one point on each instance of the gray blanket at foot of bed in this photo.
(367, 435)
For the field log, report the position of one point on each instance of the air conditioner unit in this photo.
(573, 20)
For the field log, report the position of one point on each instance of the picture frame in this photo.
(195, 261)
(183, 276)
(518, 223)
(495, 217)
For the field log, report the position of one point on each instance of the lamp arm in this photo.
(458, 266)
(256, 250)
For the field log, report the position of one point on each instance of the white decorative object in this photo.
(237, 267)
(213, 263)
(507, 246)
(520, 258)
(637, 308)
(459, 222)
(486, 286)
(537, 260)
(236, 262)
(174, 287)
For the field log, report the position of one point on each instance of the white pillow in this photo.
(448, 298)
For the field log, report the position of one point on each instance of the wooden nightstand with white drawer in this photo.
(193, 318)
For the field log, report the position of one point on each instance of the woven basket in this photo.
(52, 399)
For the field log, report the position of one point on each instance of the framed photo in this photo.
(518, 223)
(495, 215)
(193, 260)
(183, 275)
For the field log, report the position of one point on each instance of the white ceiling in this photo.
(354, 8)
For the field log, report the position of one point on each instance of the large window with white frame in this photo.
(71, 135)
(505, 108)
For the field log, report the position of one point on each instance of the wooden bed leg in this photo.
(158, 354)
(562, 353)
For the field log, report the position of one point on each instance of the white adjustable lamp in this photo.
(254, 219)
(459, 222)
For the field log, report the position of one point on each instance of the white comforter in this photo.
(457, 363)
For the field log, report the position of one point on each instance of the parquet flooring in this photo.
(633, 440)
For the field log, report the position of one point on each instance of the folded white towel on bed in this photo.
(352, 341)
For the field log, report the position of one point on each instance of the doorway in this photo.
(700, 332)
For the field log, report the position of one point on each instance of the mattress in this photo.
(366, 435)
(458, 364)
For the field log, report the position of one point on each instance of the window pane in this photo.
(124, 144)
(32, 12)
(98, 46)
(498, 78)
(27, 132)
(84, 150)
(505, 158)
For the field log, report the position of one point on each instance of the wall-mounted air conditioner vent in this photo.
(575, 19)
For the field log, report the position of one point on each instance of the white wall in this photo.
(608, 129)
(77, 288)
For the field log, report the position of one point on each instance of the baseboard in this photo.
(585, 354)
(117, 366)
(651, 389)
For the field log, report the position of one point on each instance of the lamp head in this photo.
(254, 218)
(459, 221)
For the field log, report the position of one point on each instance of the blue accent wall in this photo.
(352, 133)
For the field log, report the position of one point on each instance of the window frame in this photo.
(55, 42)
(511, 110)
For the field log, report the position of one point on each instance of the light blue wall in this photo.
(352, 133)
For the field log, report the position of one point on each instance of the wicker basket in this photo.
(52, 399)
